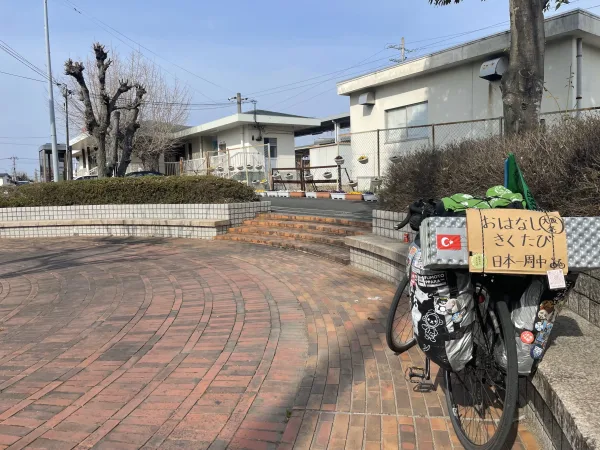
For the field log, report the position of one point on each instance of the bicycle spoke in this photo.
(478, 398)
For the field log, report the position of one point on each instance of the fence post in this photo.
(378, 156)
(302, 182)
(180, 166)
(500, 125)
(433, 136)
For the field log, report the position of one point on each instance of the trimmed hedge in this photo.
(561, 167)
(134, 190)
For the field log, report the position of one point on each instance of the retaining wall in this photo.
(199, 221)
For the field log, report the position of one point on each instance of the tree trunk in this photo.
(150, 161)
(523, 83)
(101, 155)
(127, 150)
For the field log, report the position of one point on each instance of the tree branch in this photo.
(124, 87)
(75, 70)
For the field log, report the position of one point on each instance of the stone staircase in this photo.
(321, 236)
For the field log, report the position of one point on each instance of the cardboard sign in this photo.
(516, 241)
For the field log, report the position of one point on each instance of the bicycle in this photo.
(482, 396)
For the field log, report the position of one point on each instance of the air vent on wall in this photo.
(493, 69)
(368, 98)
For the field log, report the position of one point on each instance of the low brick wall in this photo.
(585, 297)
(197, 221)
(385, 221)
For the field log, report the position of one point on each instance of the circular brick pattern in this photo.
(112, 344)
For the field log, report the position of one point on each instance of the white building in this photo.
(235, 141)
(462, 84)
(5, 179)
(446, 86)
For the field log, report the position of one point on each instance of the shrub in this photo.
(135, 190)
(561, 166)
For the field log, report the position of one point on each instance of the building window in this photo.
(399, 120)
(272, 142)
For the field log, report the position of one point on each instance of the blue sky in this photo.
(239, 45)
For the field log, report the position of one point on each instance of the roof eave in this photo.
(571, 22)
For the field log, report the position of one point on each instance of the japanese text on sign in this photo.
(516, 241)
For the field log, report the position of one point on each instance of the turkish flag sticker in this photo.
(448, 242)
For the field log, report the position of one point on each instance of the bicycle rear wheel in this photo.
(399, 329)
(482, 398)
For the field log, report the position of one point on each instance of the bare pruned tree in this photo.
(146, 130)
(106, 100)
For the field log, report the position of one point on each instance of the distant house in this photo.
(238, 140)
(5, 179)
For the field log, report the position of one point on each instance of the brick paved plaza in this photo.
(111, 344)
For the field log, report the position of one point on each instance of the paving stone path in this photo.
(112, 344)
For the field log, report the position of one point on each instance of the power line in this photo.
(324, 75)
(20, 58)
(103, 25)
(21, 76)
(23, 137)
(17, 143)
(328, 79)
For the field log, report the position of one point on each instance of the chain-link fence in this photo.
(554, 118)
(370, 153)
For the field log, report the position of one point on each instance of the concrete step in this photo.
(366, 225)
(290, 233)
(340, 230)
(337, 254)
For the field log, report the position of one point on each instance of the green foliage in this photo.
(134, 190)
(561, 167)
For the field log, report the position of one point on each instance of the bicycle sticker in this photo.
(556, 278)
(536, 352)
(433, 280)
(542, 339)
(478, 261)
(431, 322)
(413, 279)
(458, 317)
(546, 310)
(444, 305)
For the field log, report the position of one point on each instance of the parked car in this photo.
(144, 173)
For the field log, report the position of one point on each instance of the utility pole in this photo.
(68, 156)
(35, 175)
(238, 98)
(55, 174)
(14, 168)
(402, 50)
